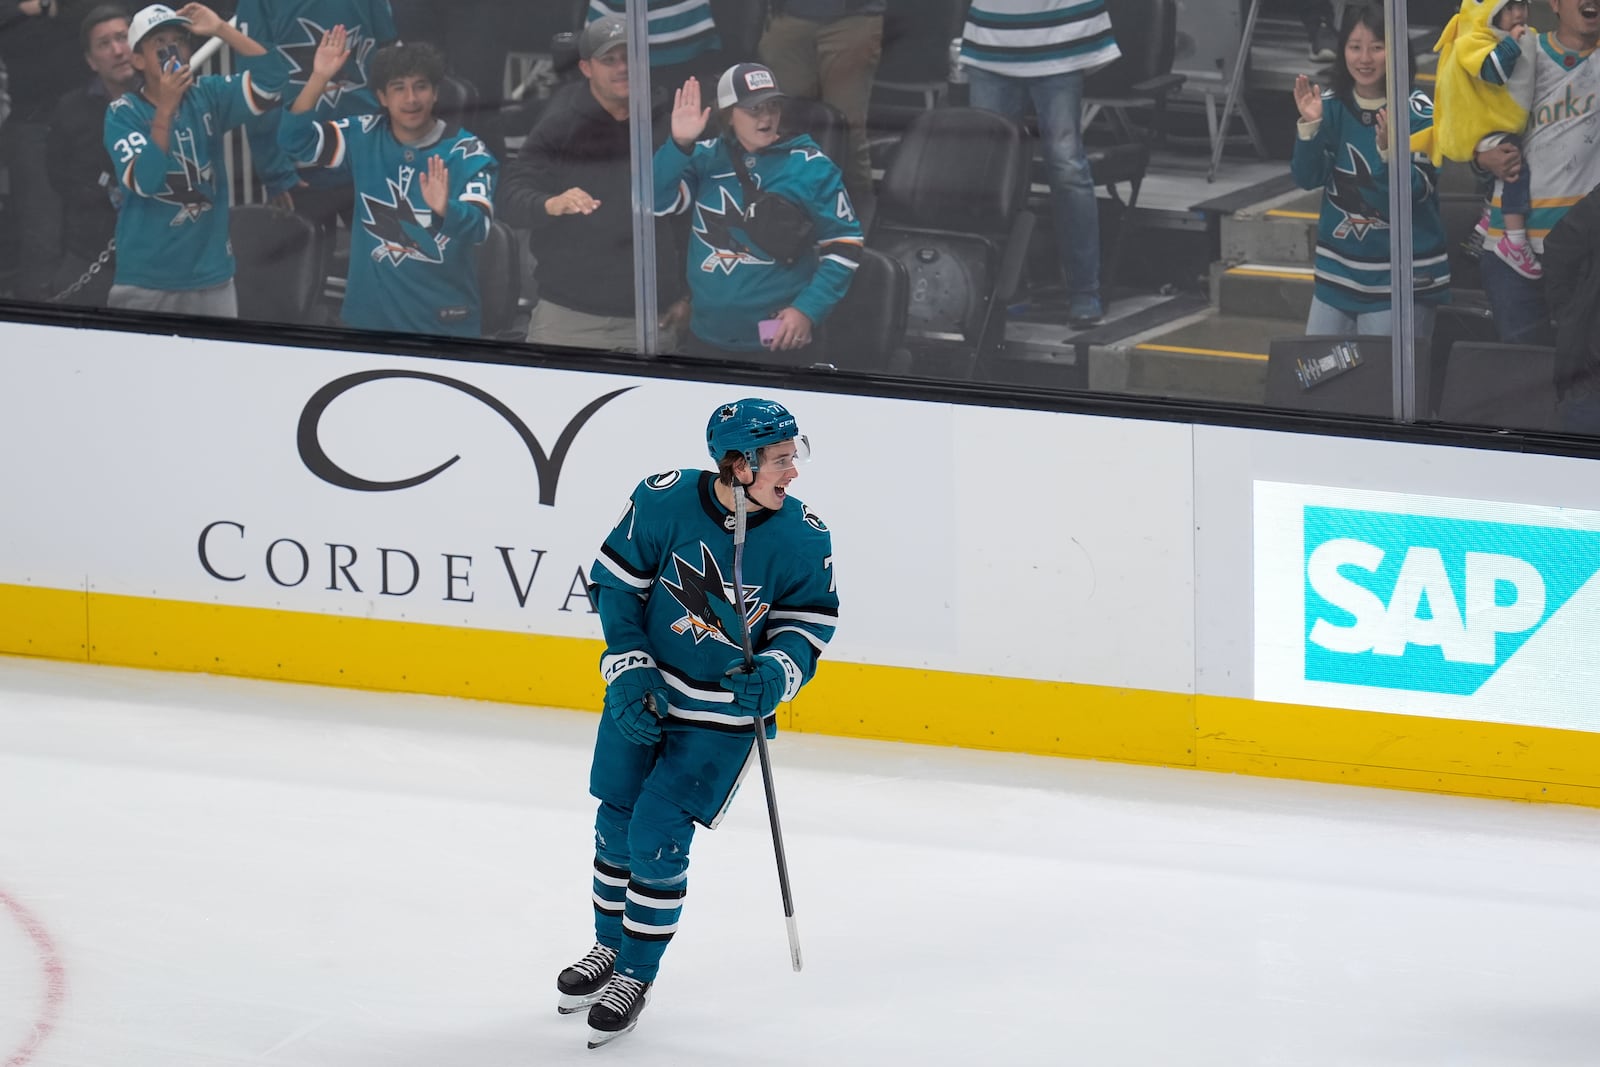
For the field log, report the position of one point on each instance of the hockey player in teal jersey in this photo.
(676, 734)
(736, 282)
(165, 143)
(424, 193)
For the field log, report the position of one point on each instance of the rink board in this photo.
(1016, 580)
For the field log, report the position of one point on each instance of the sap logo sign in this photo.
(1431, 604)
(1423, 608)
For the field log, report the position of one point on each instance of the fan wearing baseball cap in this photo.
(682, 39)
(165, 140)
(774, 240)
(423, 185)
(570, 186)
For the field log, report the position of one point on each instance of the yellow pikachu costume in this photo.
(1467, 106)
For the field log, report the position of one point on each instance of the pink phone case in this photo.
(769, 329)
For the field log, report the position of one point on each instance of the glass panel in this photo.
(1048, 194)
(1514, 351)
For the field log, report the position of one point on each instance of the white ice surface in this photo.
(234, 872)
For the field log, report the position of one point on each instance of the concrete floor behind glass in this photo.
(206, 871)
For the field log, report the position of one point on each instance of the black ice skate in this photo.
(618, 1010)
(581, 984)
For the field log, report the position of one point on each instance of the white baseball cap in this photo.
(153, 18)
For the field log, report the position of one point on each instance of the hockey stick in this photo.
(740, 508)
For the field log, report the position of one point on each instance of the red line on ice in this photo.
(55, 976)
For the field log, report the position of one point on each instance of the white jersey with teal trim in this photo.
(172, 232)
(410, 271)
(1037, 38)
(679, 29)
(1561, 141)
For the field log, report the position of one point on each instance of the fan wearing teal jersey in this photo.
(165, 143)
(424, 192)
(681, 703)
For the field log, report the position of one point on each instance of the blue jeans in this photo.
(1058, 101)
(1326, 320)
(1517, 302)
(1516, 198)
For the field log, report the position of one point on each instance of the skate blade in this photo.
(603, 1037)
(571, 1003)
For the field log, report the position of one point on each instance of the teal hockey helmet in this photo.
(745, 426)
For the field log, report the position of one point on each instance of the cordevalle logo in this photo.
(547, 465)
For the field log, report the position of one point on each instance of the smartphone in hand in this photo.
(768, 329)
(168, 58)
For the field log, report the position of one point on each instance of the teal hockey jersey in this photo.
(1341, 157)
(663, 583)
(734, 283)
(172, 232)
(291, 31)
(680, 30)
(409, 271)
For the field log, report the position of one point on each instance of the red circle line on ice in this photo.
(55, 979)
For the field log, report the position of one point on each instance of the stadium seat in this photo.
(953, 210)
(1141, 81)
(867, 330)
(279, 263)
(1463, 319)
(914, 67)
(500, 282)
(564, 56)
(1504, 386)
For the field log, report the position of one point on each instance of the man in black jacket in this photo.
(80, 170)
(570, 186)
(1572, 285)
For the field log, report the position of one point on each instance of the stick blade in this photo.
(794, 942)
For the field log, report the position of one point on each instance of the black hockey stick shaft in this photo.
(740, 508)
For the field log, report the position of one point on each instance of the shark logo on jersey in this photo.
(1347, 197)
(808, 154)
(301, 55)
(708, 601)
(401, 231)
(715, 228)
(470, 147)
(184, 187)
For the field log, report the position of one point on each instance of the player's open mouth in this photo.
(1589, 11)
